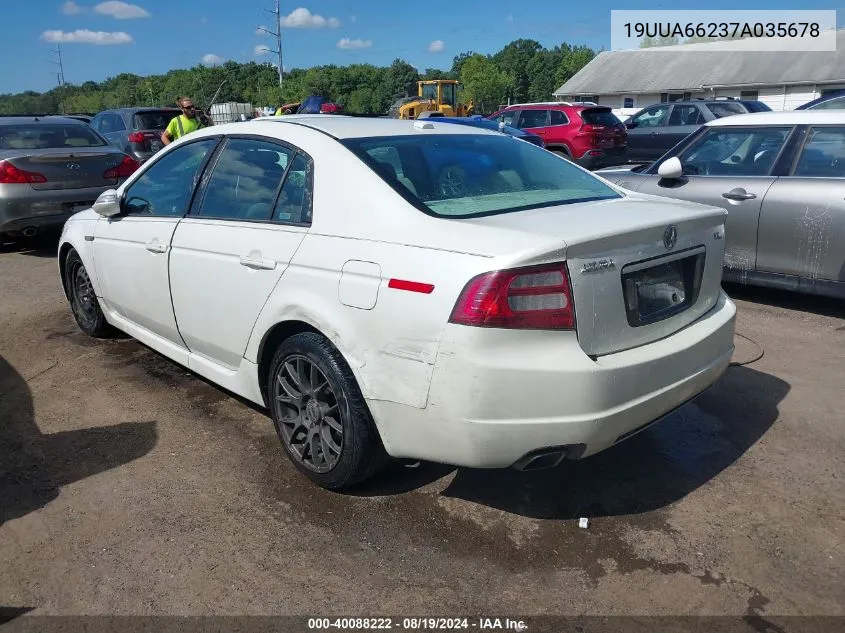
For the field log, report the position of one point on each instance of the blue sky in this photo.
(154, 36)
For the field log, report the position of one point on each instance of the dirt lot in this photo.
(129, 486)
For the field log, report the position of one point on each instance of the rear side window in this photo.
(728, 108)
(599, 116)
(49, 135)
(461, 176)
(685, 115)
(823, 155)
(153, 120)
(558, 118)
(831, 104)
(245, 180)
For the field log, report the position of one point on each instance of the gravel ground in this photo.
(130, 486)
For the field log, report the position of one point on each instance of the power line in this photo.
(60, 78)
(278, 35)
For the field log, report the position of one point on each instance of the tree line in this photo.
(522, 71)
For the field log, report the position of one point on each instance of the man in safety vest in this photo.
(189, 121)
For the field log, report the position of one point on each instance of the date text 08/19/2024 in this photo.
(416, 624)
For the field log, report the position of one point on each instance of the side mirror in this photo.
(108, 204)
(671, 169)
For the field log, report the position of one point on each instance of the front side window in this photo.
(686, 115)
(723, 151)
(823, 155)
(460, 176)
(246, 177)
(651, 117)
(447, 92)
(429, 92)
(49, 136)
(533, 118)
(508, 116)
(166, 187)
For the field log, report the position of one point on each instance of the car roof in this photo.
(791, 117)
(344, 127)
(29, 120)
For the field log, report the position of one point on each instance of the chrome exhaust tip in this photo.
(30, 231)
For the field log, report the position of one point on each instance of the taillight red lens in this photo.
(534, 297)
(11, 175)
(136, 137)
(126, 168)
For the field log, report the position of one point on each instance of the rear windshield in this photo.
(48, 135)
(726, 109)
(473, 175)
(598, 116)
(153, 120)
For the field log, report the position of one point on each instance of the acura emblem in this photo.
(73, 166)
(670, 236)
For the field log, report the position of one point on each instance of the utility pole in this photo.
(278, 35)
(60, 78)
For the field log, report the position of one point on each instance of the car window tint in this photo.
(734, 152)
(49, 135)
(470, 175)
(558, 118)
(294, 203)
(686, 115)
(245, 180)
(153, 120)
(727, 108)
(830, 104)
(651, 117)
(599, 116)
(823, 155)
(533, 118)
(508, 116)
(165, 188)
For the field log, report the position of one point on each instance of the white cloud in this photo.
(348, 44)
(302, 18)
(211, 59)
(84, 36)
(121, 10)
(261, 50)
(71, 8)
(436, 46)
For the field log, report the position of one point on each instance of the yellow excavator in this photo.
(436, 97)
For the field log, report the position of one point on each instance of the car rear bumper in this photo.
(499, 395)
(597, 158)
(23, 208)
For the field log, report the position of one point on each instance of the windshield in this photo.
(461, 176)
(153, 120)
(48, 135)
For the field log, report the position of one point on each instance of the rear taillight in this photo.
(11, 175)
(136, 137)
(534, 297)
(126, 168)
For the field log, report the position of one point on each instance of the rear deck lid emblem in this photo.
(670, 236)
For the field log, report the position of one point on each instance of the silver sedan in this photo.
(781, 178)
(50, 168)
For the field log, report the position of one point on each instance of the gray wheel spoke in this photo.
(334, 424)
(292, 394)
(328, 442)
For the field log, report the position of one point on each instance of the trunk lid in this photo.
(604, 129)
(75, 168)
(147, 128)
(641, 268)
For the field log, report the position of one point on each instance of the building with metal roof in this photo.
(637, 78)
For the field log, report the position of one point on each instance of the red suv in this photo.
(589, 135)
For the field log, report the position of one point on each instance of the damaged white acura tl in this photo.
(408, 289)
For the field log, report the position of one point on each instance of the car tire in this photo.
(83, 300)
(320, 415)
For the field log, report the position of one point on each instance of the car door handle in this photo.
(156, 247)
(257, 262)
(738, 194)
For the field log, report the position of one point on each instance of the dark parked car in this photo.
(50, 168)
(478, 121)
(655, 130)
(135, 131)
(832, 101)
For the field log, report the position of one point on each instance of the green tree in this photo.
(514, 59)
(484, 83)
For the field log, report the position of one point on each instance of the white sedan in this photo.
(408, 289)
